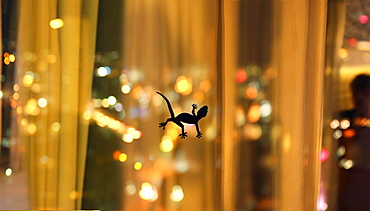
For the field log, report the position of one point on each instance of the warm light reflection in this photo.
(148, 192)
(126, 89)
(166, 144)
(42, 102)
(122, 157)
(254, 113)
(56, 23)
(183, 85)
(177, 193)
(8, 172)
(334, 124)
(138, 165)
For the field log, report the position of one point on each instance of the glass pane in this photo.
(345, 148)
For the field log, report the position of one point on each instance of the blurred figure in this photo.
(354, 177)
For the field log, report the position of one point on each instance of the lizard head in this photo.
(202, 112)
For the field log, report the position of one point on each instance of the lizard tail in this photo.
(168, 104)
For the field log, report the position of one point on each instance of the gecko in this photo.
(188, 118)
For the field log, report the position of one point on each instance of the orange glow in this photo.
(116, 154)
(254, 113)
(205, 85)
(251, 92)
(349, 133)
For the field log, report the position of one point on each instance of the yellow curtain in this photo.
(56, 47)
(299, 46)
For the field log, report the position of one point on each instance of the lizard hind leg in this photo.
(183, 133)
(163, 124)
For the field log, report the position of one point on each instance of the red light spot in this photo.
(352, 42)
(363, 19)
(241, 75)
(324, 155)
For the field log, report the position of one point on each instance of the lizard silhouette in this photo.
(184, 117)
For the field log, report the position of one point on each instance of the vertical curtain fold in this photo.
(299, 56)
(56, 66)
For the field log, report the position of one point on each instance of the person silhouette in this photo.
(354, 176)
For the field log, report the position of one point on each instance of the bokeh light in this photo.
(363, 19)
(56, 23)
(184, 85)
(177, 193)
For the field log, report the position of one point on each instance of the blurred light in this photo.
(112, 100)
(265, 108)
(87, 115)
(349, 133)
(252, 131)
(251, 92)
(42, 102)
(55, 126)
(341, 151)
(334, 124)
(136, 134)
(105, 103)
(166, 144)
(1, 94)
(343, 53)
(116, 154)
(36, 88)
(182, 166)
(157, 100)
(16, 87)
(177, 194)
(146, 191)
(126, 89)
(337, 134)
(122, 157)
(138, 165)
(16, 96)
(205, 85)
(27, 80)
(240, 116)
(118, 107)
(24, 122)
(44, 159)
(6, 61)
(31, 128)
(103, 71)
(52, 59)
(130, 188)
(211, 133)
(352, 42)
(31, 107)
(241, 75)
(12, 58)
(348, 164)
(198, 97)
(56, 23)
(324, 155)
(363, 19)
(254, 113)
(19, 110)
(128, 138)
(344, 124)
(183, 85)
(8, 172)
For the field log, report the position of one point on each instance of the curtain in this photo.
(56, 47)
(299, 49)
